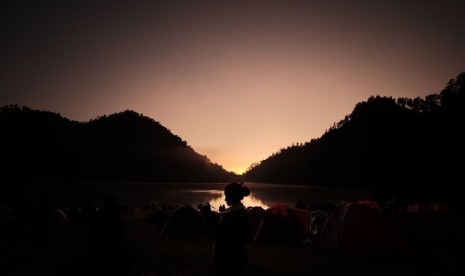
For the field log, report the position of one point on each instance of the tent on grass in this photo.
(426, 208)
(358, 229)
(158, 215)
(256, 215)
(284, 223)
(184, 221)
(57, 218)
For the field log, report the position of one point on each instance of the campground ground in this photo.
(436, 238)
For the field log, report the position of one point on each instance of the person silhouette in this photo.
(232, 231)
(108, 255)
(107, 225)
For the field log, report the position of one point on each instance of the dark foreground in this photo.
(437, 240)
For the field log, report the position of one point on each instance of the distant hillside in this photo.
(394, 145)
(39, 145)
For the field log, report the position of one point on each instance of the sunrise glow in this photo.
(237, 80)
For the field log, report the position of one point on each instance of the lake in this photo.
(140, 194)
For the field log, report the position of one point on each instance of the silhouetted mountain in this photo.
(126, 146)
(412, 146)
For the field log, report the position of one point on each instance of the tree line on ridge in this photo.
(126, 146)
(401, 145)
(410, 146)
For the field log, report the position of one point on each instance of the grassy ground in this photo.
(437, 239)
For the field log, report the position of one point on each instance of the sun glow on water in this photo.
(249, 201)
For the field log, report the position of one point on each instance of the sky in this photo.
(238, 80)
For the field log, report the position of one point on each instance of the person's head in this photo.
(235, 192)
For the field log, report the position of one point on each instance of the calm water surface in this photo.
(140, 194)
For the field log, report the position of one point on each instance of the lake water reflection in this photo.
(217, 198)
(266, 195)
(250, 200)
(140, 194)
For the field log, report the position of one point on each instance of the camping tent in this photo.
(426, 208)
(158, 215)
(284, 223)
(256, 215)
(184, 221)
(357, 229)
(57, 218)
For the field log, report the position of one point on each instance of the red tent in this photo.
(357, 229)
(284, 223)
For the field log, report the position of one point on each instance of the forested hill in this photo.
(391, 144)
(42, 146)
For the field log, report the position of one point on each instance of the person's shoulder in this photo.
(240, 211)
